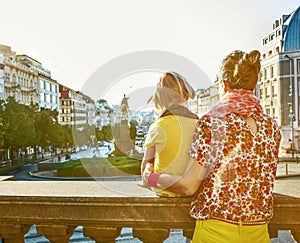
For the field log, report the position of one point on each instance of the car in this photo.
(103, 144)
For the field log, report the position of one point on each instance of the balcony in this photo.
(103, 208)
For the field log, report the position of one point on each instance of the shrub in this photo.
(112, 166)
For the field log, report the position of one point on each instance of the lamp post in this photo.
(291, 105)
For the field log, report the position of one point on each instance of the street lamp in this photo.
(291, 105)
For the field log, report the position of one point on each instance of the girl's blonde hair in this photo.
(241, 70)
(172, 89)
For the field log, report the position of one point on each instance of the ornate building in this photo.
(27, 80)
(20, 78)
(278, 88)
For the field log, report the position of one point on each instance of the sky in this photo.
(74, 39)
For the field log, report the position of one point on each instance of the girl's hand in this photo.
(146, 173)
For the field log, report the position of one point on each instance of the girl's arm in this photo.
(148, 158)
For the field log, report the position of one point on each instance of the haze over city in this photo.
(73, 39)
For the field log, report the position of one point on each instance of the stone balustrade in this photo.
(103, 208)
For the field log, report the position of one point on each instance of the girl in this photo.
(170, 136)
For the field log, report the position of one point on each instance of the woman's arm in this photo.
(186, 184)
(148, 158)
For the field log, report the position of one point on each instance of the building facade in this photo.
(72, 108)
(278, 88)
(103, 114)
(2, 91)
(90, 110)
(20, 78)
(205, 99)
(48, 89)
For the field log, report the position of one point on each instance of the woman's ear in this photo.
(226, 85)
(223, 87)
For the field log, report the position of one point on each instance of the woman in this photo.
(233, 161)
(170, 136)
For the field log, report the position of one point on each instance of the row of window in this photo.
(69, 111)
(22, 81)
(20, 97)
(269, 72)
(70, 119)
(268, 92)
(50, 98)
(65, 102)
(49, 86)
(271, 37)
(270, 52)
(282, 68)
(273, 112)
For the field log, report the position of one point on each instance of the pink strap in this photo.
(153, 179)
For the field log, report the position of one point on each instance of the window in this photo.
(272, 71)
(265, 41)
(270, 52)
(41, 84)
(275, 113)
(261, 93)
(285, 67)
(278, 33)
(267, 92)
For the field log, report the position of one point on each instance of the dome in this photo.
(291, 39)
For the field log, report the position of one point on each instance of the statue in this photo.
(124, 144)
(124, 107)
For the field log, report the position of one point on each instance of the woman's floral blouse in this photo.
(241, 166)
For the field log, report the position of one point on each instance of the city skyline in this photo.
(74, 39)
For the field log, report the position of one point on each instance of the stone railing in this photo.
(103, 208)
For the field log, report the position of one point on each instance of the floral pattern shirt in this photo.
(241, 167)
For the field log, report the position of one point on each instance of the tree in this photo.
(105, 133)
(48, 131)
(20, 127)
(133, 124)
(68, 140)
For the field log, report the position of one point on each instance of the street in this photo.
(21, 173)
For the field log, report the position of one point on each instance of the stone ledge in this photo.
(107, 207)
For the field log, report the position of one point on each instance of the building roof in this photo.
(291, 38)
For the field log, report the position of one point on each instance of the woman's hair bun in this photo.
(241, 69)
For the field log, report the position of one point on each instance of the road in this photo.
(22, 173)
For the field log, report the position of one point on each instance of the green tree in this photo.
(20, 126)
(105, 133)
(133, 124)
(68, 140)
(48, 132)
